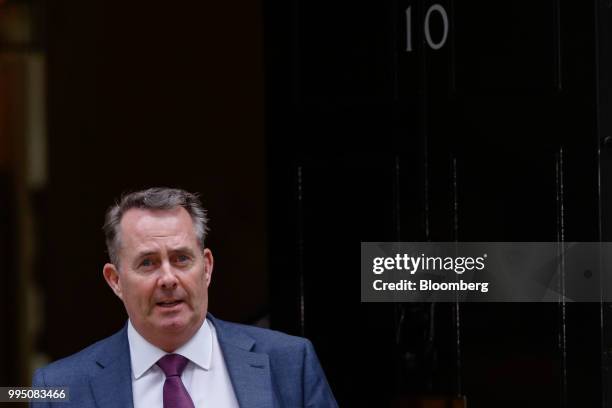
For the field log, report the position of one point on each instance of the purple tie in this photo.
(175, 394)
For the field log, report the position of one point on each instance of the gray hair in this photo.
(157, 198)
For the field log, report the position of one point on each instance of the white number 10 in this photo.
(434, 45)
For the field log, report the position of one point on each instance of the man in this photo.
(172, 353)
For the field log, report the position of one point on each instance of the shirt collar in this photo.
(144, 355)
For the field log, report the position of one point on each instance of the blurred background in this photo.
(309, 127)
(97, 100)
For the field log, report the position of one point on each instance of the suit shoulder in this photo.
(82, 361)
(267, 338)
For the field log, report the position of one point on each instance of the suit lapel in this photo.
(249, 371)
(112, 384)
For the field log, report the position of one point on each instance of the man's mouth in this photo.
(169, 303)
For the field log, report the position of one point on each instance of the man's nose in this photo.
(167, 279)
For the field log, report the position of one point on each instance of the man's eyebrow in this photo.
(145, 253)
(184, 249)
(181, 249)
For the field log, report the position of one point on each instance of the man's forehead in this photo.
(140, 223)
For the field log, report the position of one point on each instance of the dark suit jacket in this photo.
(267, 369)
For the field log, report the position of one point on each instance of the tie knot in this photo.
(172, 364)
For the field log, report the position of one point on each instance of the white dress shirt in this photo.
(205, 376)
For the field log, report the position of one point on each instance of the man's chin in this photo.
(172, 325)
(176, 323)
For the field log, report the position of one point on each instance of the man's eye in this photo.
(146, 263)
(182, 259)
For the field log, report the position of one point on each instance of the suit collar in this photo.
(112, 384)
(230, 333)
(249, 371)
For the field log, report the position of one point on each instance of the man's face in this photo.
(163, 275)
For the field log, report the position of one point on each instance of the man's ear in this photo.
(111, 275)
(208, 265)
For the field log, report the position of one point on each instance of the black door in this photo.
(447, 121)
